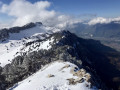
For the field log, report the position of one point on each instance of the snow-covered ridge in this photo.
(36, 46)
(54, 76)
(15, 43)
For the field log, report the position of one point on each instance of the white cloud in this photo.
(98, 20)
(24, 12)
(116, 19)
(102, 20)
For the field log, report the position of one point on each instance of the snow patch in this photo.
(40, 81)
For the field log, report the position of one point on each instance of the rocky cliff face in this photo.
(91, 55)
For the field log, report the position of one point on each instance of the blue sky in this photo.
(103, 8)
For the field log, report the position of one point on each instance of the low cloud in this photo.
(102, 20)
(2, 25)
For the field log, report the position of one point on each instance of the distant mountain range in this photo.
(105, 30)
(107, 33)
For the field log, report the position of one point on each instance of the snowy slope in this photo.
(59, 71)
(16, 42)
